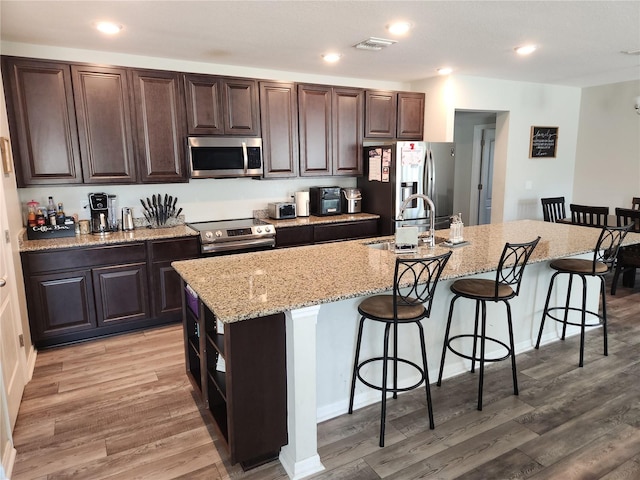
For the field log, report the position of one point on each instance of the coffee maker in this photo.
(101, 222)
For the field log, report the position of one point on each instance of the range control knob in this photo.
(218, 233)
(208, 235)
(267, 229)
(259, 230)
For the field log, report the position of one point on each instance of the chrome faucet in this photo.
(432, 214)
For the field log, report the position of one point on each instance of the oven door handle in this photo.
(238, 245)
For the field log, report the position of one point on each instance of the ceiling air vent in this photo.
(373, 43)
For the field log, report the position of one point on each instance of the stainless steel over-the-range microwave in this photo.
(224, 157)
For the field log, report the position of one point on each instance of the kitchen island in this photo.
(319, 287)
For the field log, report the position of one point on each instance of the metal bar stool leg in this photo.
(604, 317)
(584, 319)
(395, 360)
(446, 340)
(426, 376)
(475, 338)
(546, 307)
(482, 337)
(513, 350)
(385, 361)
(566, 311)
(355, 364)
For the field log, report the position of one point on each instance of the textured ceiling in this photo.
(580, 41)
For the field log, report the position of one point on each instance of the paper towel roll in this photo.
(302, 204)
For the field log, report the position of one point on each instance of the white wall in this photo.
(522, 105)
(607, 169)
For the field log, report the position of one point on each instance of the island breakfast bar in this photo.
(318, 288)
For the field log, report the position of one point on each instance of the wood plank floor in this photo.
(123, 408)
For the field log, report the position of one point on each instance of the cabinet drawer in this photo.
(345, 231)
(38, 262)
(174, 249)
(292, 236)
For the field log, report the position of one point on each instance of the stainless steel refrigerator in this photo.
(394, 171)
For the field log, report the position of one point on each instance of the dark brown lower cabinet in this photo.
(239, 369)
(325, 232)
(83, 293)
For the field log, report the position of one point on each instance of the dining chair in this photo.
(635, 203)
(628, 256)
(588, 215)
(553, 209)
(414, 285)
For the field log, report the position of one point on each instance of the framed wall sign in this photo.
(544, 142)
(5, 151)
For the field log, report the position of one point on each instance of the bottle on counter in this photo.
(51, 212)
(60, 216)
(40, 218)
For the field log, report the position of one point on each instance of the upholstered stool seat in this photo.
(414, 285)
(505, 286)
(604, 258)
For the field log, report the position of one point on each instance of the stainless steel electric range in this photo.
(235, 236)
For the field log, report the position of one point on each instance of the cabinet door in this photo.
(204, 105)
(121, 293)
(410, 116)
(279, 121)
(380, 114)
(104, 124)
(42, 121)
(60, 303)
(240, 107)
(292, 236)
(345, 231)
(160, 126)
(314, 123)
(347, 117)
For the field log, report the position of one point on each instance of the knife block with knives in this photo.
(161, 211)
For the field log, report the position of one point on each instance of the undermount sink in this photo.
(390, 245)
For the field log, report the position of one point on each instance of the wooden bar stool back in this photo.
(635, 203)
(414, 284)
(604, 257)
(553, 209)
(506, 285)
(628, 257)
(588, 215)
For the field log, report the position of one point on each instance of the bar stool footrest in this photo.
(576, 309)
(478, 359)
(391, 389)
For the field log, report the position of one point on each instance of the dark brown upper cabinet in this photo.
(221, 105)
(103, 110)
(159, 125)
(330, 122)
(42, 121)
(380, 114)
(394, 115)
(279, 124)
(410, 125)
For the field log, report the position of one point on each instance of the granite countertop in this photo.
(137, 235)
(244, 286)
(315, 220)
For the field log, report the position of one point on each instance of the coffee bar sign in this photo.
(544, 142)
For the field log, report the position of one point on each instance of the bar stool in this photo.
(506, 285)
(414, 284)
(553, 209)
(604, 257)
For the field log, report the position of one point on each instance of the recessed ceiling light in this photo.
(331, 57)
(525, 49)
(109, 28)
(399, 28)
(444, 71)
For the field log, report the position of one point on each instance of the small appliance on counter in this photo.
(351, 200)
(127, 219)
(302, 203)
(102, 208)
(325, 201)
(281, 210)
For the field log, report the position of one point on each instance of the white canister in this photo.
(302, 204)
